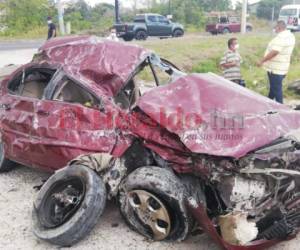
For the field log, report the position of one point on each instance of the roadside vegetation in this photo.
(27, 18)
(202, 54)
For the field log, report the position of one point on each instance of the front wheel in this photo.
(248, 29)
(226, 31)
(68, 205)
(152, 203)
(128, 38)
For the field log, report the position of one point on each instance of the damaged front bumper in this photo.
(198, 211)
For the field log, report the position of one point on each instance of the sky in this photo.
(128, 3)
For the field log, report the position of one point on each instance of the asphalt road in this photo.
(20, 45)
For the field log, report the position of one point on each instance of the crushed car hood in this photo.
(102, 63)
(214, 116)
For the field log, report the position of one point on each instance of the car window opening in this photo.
(31, 83)
(148, 76)
(72, 93)
(144, 79)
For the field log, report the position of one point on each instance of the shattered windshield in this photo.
(151, 73)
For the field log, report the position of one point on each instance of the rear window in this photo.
(31, 82)
(163, 19)
(288, 12)
(152, 19)
(139, 19)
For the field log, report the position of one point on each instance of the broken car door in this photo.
(72, 123)
(17, 111)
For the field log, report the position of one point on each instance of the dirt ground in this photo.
(16, 198)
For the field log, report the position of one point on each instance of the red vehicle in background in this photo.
(222, 23)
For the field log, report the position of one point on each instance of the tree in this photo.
(79, 6)
(215, 5)
(189, 12)
(265, 8)
(25, 15)
(102, 16)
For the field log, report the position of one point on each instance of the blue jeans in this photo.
(276, 87)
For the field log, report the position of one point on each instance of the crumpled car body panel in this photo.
(94, 62)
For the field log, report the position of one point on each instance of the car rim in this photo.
(151, 212)
(63, 201)
(141, 36)
(178, 34)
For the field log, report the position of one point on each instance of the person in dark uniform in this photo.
(51, 28)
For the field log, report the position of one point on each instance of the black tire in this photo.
(141, 35)
(248, 29)
(163, 184)
(5, 164)
(178, 33)
(226, 31)
(127, 38)
(82, 220)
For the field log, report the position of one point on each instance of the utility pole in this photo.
(60, 17)
(244, 17)
(117, 11)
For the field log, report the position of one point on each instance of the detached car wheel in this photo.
(5, 164)
(68, 205)
(152, 203)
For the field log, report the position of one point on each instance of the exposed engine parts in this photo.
(241, 194)
(259, 197)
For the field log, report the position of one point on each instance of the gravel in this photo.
(111, 232)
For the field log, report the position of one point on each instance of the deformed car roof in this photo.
(100, 62)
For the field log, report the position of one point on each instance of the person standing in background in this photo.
(277, 59)
(51, 28)
(231, 63)
(113, 35)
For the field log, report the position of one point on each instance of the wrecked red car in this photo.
(113, 120)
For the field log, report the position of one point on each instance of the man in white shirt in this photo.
(277, 59)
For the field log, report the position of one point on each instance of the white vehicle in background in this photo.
(291, 15)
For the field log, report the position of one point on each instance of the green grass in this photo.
(195, 53)
(35, 33)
